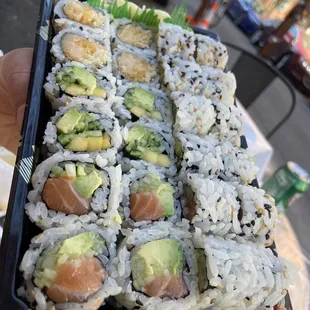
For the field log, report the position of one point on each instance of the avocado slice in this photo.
(145, 144)
(68, 121)
(86, 185)
(76, 81)
(141, 102)
(154, 260)
(94, 143)
(86, 243)
(164, 191)
(78, 144)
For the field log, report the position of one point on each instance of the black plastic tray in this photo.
(18, 230)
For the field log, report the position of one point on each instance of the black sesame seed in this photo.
(163, 51)
(220, 276)
(248, 225)
(219, 199)
(247, 298)
(196, 71)
(267, 236)
(167, 42)
(186, 66)
(139, 302)
(253, 223)
(242, 234)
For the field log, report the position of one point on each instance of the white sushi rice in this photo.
(194, 114)
(116, 42)
(167, 145)
(243, 276)
(210, 157)
(216, 205)
(129, 297)
(99, 112)
(228, 124)
(121, 80)
(259, 215)
(174, 41)
(210, 53)
(59, 55)
(61, 20)
(51, 237)
(162, 102)
(103, 206)
(130, 180)
(214, 84)
(59, 98)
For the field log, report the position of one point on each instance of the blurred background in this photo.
(277, 31)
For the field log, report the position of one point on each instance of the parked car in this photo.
(243, 15)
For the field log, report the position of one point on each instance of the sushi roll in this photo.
(228, 124)
(74, 13)
(149, 196)
(156, 268)
(211, 205)
(81, 128)
(134, 36)
(229, 209)
(243, 276)
(193, 114)
(180, 75)
(210, 53)
(69, 188)
(73, 79)
(173, 41)
(134, 67)
(259, 215)
(141, 100)
(73, 44)
(69, 268)
(148, 143)
(210, 157)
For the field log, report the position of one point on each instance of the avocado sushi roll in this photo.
(74, 13)
(134, 67)
(156, 268)
(69, 268)
(149, 142)
(73, 79)
(69, 188)
(134, 36)
(243, 275)
(79, 128)
(73, 44)
(174, 41)
(149, 196)
(141, 100)
(210, 53)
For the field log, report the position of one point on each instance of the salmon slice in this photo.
(188, 203)
(145, 206)
(173, 287)
(77, 280)
(60, 195)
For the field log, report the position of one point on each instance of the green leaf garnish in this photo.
(146, 16)
(178, 17)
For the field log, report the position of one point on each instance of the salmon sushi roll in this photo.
(141, 100)
(149, 196)
(157, 269)
(73, 44)
(85, 126)
(134, 36)
(72, 79)
(147, 143)
(68, 268)
(74, 13)
(70, 188)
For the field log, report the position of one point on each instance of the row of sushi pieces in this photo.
(163, 266)
(116, 162)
